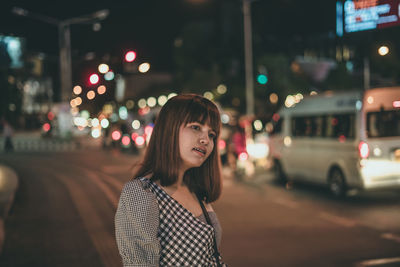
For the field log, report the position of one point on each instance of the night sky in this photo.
(150, 27)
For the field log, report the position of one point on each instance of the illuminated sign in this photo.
(360, 15)
(11, 51)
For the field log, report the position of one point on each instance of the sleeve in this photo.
(136, 226)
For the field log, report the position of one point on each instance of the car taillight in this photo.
(363, 149)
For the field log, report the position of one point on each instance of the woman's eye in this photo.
(195, 127)
(212, 136)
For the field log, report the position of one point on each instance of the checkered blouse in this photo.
(153, 229)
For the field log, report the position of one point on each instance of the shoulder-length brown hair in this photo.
(162, 157)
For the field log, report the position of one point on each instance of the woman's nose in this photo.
(204, 140)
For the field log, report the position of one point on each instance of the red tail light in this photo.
(363, 149)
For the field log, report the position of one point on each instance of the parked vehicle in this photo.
(348, 140)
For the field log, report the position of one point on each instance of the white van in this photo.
(347, 140)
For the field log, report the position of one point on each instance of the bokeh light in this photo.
(130, 56)
(78, 101)
(77, 90)
(135, 124)
(273, 98)
(95, 122)
(85, 114)
(130, 104)
(208, 95)
(225, 118)
(109, 76)
(151, 101)
(94, 78)
(221, 144)
(221, 89)
(144, 67)
(162, 99)
(126, 140)
(258, 125)
(46, 127)
(243, 156)
(104, 123)
(123, 113)
(96, 133)
(142, 103)
(101, 89)
(383, 50)
(139, 140)
(116, 135)
(90, 95)
(171, 95)
(103, 68)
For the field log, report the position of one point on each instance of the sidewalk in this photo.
(33, 141)
(8, 187)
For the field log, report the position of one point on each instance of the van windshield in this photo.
(383, 123)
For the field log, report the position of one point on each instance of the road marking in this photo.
(337, 219)
(287, 203)
(117, 184)
(391, 236)
(103, 241)
(376, 262)
(103, 187)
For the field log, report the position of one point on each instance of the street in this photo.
(63, 215)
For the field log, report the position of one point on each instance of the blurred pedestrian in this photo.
(164, 216)
(239, 140)
(236, 146)
(8, 133)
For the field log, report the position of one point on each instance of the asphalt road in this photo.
(64, 210)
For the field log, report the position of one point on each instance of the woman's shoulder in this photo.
(138, 189)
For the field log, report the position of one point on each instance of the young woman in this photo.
(161, 218)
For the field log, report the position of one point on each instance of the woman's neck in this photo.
(179, 182)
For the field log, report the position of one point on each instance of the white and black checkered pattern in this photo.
(136, 226)
(184, 239)
(153, 229)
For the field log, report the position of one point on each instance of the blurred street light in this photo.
(383, 50)
(64, 40)
(103, 68)
(144, 67)
(91, 94)
(77, 89)
(101, 89)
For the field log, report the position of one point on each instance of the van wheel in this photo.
(279, 174)
(337, 183)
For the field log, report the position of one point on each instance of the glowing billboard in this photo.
(11, 51)
(360, 15)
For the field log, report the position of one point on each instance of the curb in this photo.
(8, 187)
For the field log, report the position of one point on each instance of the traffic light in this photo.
(262, 79)
(130, 56)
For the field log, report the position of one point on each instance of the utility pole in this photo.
(367, 73)
(248, 56)
(64, 39)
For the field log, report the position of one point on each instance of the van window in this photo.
(340, 125)
(383, 123)
(319, 127)
(332, 126)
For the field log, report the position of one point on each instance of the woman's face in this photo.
(196, 142)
